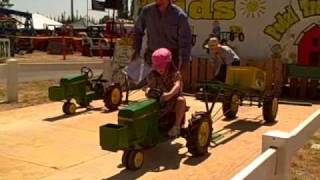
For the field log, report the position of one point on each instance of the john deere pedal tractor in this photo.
(83, 89)
(140, 127)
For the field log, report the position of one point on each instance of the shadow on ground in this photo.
(163, 157)
(64, 116)
(240, 126)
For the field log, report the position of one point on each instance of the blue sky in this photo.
(55, 7)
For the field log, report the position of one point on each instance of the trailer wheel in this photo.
(133, 159)
(113, 97)
(199, 134)
(230, 106)
(270, 109)
(69, 108)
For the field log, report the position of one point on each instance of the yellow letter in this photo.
(180, 3)
(271, 31)
(309, 7)
(200, 9)
(224, 10)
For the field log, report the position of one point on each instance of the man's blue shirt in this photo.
(169, 30)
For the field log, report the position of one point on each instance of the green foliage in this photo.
(5, 4)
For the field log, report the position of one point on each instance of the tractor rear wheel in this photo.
(133, 159)
(113, 97)
(69, 108)
(230, 106)
(270, 109)
(199, 134)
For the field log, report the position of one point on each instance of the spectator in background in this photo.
(222, 57)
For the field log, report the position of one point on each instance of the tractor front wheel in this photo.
(132, 159)
(69, 108)
(113, 97)
(199, 134)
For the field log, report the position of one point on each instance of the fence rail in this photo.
(277, 150)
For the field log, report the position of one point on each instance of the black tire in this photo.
(69, 108)
(230, 106)
(270, 109)
(113, 97)
(133, 159)
(124, 158)
(199, 134)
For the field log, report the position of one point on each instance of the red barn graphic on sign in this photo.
(309, 46)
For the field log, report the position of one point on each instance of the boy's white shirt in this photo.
(226, 52)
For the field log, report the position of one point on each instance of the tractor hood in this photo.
(139, 109)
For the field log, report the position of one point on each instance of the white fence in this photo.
(277, 149)
(4, 49)
(12, 73)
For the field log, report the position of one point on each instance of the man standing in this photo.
(167, 26)
(222, 56)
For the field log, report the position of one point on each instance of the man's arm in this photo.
(185, 39)
(231, 56)
(139, 29)
(235, 55)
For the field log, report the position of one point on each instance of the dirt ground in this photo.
(306, 163)
(30, 93)
(243, 134)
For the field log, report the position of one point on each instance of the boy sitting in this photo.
(168, 80)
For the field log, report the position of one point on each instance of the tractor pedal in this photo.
(90, 93)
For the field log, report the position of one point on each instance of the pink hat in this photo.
(160, 58)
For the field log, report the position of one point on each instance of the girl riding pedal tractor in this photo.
(165, 78)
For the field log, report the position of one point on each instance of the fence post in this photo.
(12, 80)
(280, 141)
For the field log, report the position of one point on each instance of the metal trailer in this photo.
(232, 96)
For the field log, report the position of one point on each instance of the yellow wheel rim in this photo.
(274, 107)
(138, 159)
(203, 133)
(235, 103)
(72, 108)
(115, 96)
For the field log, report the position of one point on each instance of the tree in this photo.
(5, 4)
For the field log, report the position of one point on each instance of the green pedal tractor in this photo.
(83, 89)
(140, 127)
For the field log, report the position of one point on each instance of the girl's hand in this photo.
(165, 96)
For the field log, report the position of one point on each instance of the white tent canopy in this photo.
(41, 22)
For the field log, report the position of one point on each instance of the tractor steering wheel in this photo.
(87, 71)
(154, 93)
